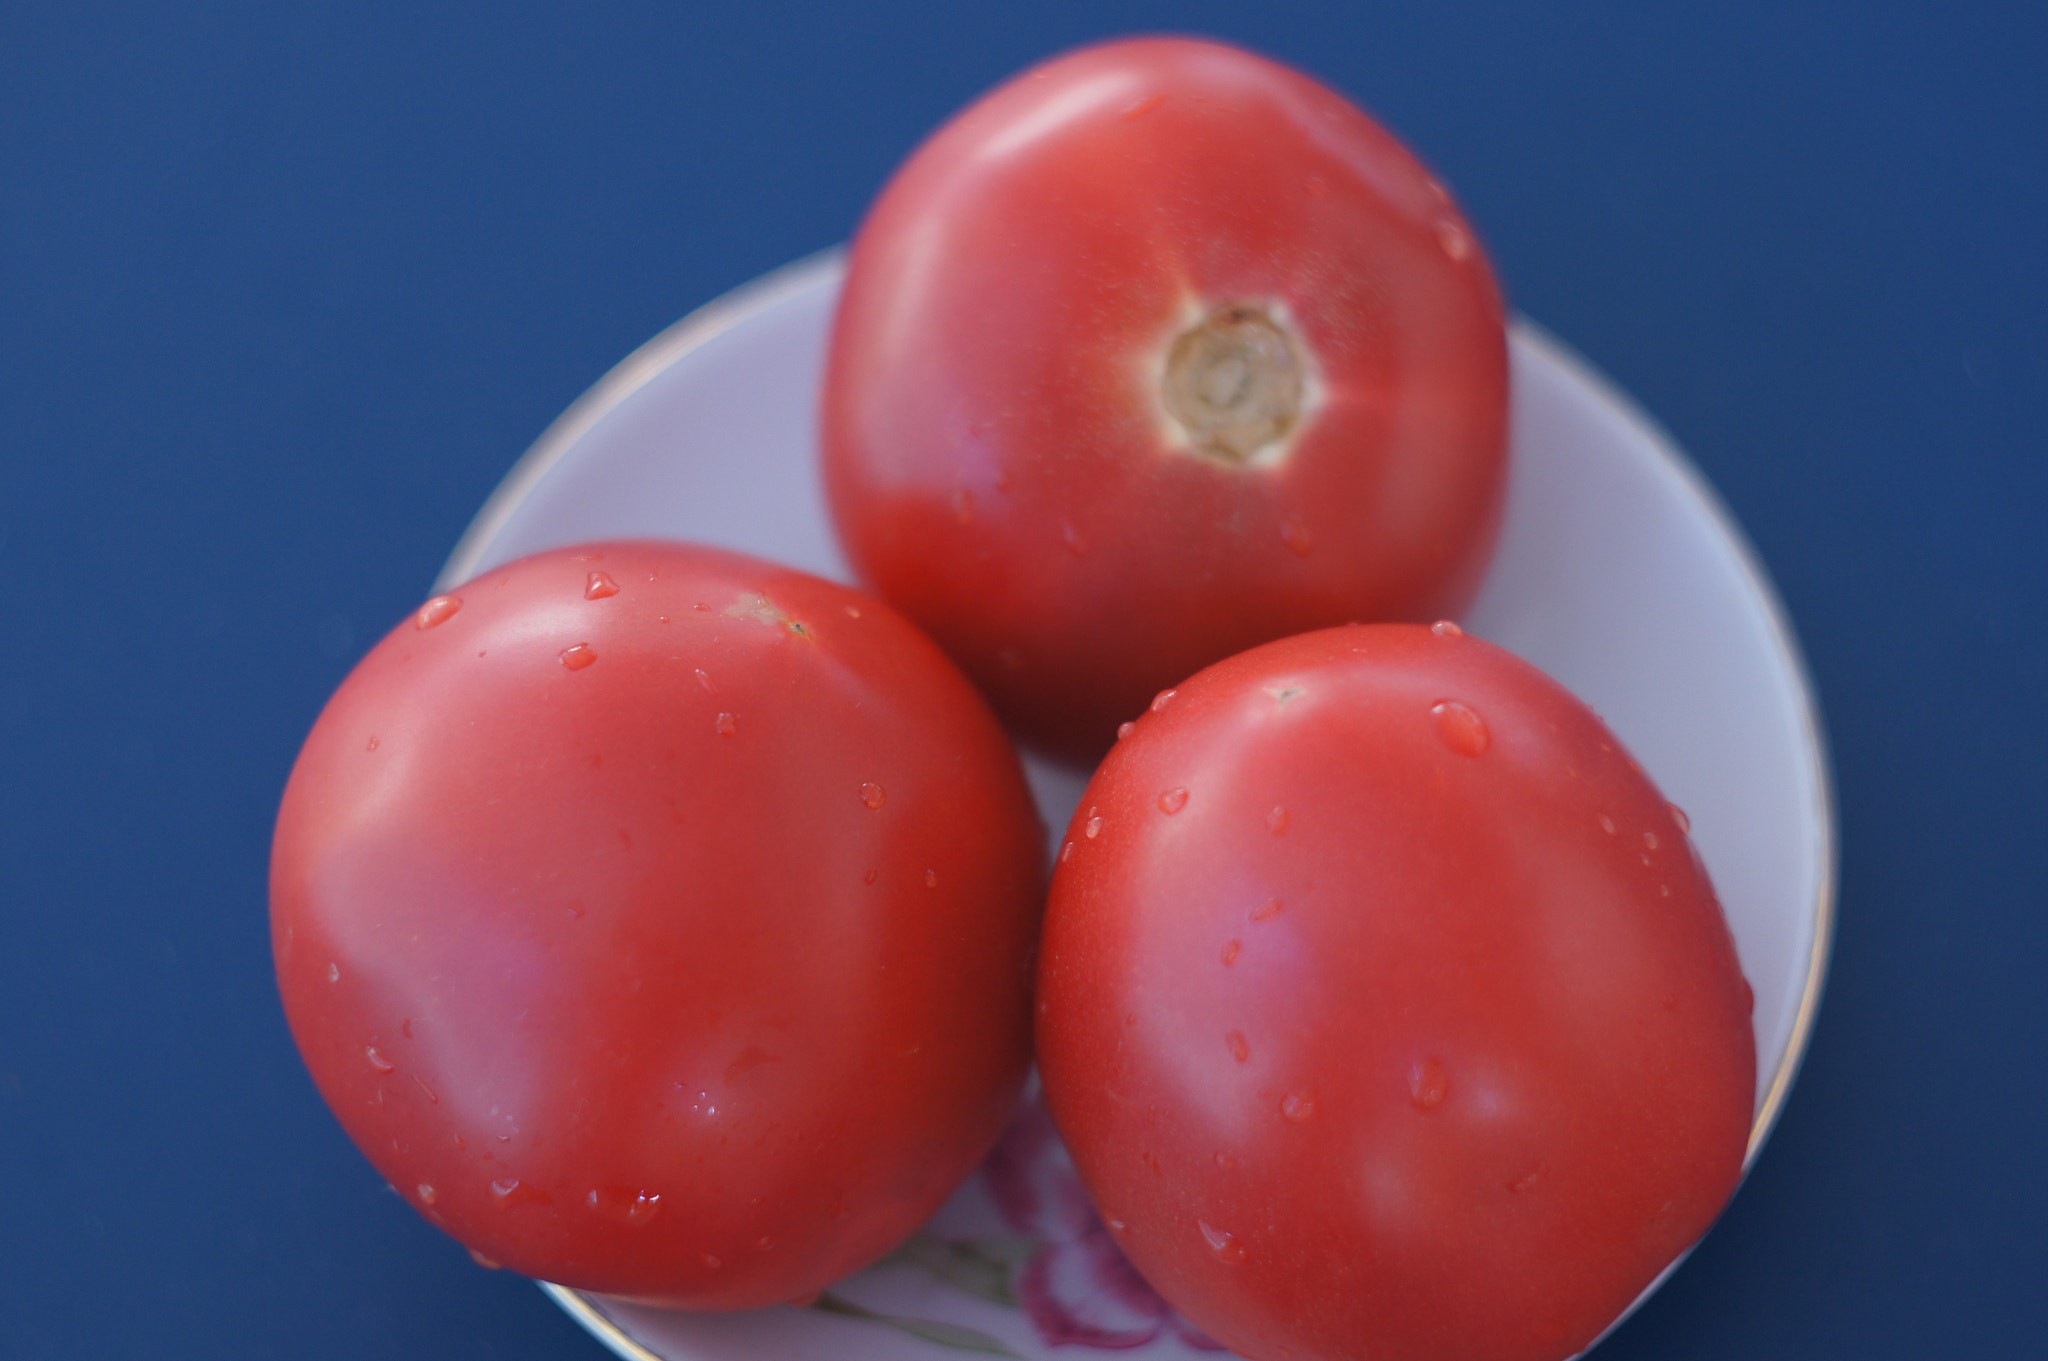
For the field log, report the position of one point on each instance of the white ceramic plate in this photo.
(1619, 572)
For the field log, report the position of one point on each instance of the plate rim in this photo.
(701, 326)
(1785, 641)
(767, 291)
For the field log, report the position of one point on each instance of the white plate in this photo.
(1619, 572)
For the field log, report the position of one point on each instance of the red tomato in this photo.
(658, 921)
(1386, 1009)
(1157, 352)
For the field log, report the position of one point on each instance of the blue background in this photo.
(285, 289)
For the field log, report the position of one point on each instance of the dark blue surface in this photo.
(284, 290)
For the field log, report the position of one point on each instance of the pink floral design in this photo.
(1078, 1288)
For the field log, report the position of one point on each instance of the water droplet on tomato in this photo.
(1678, 816)
(1231, 950)
(578, 656)
(1462, 730)
(1269, 908)
(872, 875)
(427, 1194)
(599, 585)
(1172, 801)
(931, 878)
(1650, 840)
(1607, 824)
(437, 611)
(1123, 730)
(433, 1097)
(1240, 1048)
(725, 725)
(576, 909)
(1295, 535)
(334, 973)
(873, 795)
(1453, 238)
(1222, 1243)
(1093, 828)
(631, 1208)
(1528, 1179)
(1428, 1084)
(1276, 821)
(712, 1261)
(483, 1261)
(372, 746)
(502, 1189)
(704, 679)
(1444, 628)
(377, 1060)
(1066, 852)
(405, 1027)
(1162, 699)
(1299, 1106)
(765, 1243)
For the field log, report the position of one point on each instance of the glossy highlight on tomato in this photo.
(1386, 1006)
(658, 921)
(1159, 351)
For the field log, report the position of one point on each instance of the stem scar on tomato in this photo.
(753, 605)
(1236, 384)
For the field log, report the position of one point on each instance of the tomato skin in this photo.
(1425, 1064)
(664, 932)
(996, 452)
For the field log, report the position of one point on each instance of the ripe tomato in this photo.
(658, 921)
(1386, 1008)
(1157, 352)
